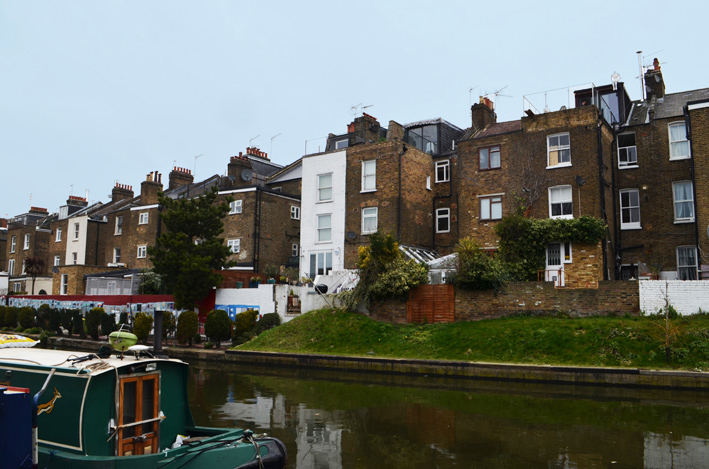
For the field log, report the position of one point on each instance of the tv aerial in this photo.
(355, 109)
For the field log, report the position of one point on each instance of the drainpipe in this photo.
(602, 196)
(404, 149)
(437, 197)
(616, 231)
(688, 124)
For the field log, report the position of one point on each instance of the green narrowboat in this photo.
(99, 410)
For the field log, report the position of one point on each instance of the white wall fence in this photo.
(684, 296)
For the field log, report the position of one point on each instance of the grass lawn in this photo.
(637, 342)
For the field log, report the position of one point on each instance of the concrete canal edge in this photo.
(621, 377)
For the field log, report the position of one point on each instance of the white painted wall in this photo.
(77, 245)
(335, 163)
(687, 297)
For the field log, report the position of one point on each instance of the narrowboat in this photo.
(102, 410)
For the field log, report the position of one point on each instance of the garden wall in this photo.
(686, 297)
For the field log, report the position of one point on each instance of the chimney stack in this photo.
(483, 114)
(121, 192)
(654, 84)
(150, 187)
(180, 177)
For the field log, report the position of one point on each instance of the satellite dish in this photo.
(247, 174)
(351, 235)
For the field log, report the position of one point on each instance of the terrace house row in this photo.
(102, 248)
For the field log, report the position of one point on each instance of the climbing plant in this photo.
(523, 241)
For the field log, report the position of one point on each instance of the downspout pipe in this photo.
(438, 197)
(617, 262)
(688, 124)
(404, 149)
(601, 188)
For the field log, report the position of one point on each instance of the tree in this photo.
(34, 266)
(218, 326)
(169, 325)
(188, 254)
(187, 327)
(93, 321)
(142, 326)
(476, 269)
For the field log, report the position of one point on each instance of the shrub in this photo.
(245, 321)
(218, 326)
(169, 324)
(93, 321)
(187, 326)
(123, 319)
(42, 316)
(11, 314)
(67, 315)
(77, 323)
(43, 291)
(142, 325)
(44, 338)
(209, 345)
(55, 321)
(33, 330)
(198, 338)
(2, 316)
(26, 317)
(476, 269)
(108, 323)
(268, 321)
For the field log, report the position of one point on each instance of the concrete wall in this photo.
(686, 297)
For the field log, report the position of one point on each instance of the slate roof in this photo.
(498, 128)
(668, 106)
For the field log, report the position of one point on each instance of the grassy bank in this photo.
(637, 342)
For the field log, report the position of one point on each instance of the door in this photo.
(555, 266)
(138, 415)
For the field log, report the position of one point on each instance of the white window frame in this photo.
(558, 148)
(74, 258)
(369, 176)
(693, 273)
(369, 213)
(561, 202)
(674, 143)
(235, 206)
(676, 202)
(627, 155)
(295, 252)
(58, 236)
(27, 241)
(142, 252)
(64, 287)
(428, 183)
(119, 227)
(294, 212)
(116, 255)
(487, 203)
(324, 228)
(323, 188)
(322, 262)
(13, 243)
(23, 268)
(631, 209)
(57, 260)
(77, 231)
(340, 144)
(11, 267)
(234, 245)
(443, 214)
(443, 173)
(143, 218)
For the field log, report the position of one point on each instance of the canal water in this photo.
(356, 420)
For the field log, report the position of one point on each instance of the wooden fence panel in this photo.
(431, 304)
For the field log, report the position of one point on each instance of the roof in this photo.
(499, 128)
(418, 254)
(670, 105)
(61, 359)
(438, 120)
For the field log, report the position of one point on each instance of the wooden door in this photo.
(138, 415)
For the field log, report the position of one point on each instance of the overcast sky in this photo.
(98, 92)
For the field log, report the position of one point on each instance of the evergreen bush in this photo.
(187, 327)
(142, 325)
(218, 326)
(108, 323)
(26, 317)
(245, 321)
(77, 323)
(268, 321)
(93, 321)
(11, 315)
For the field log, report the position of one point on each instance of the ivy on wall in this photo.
(523, 241)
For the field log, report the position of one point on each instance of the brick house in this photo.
(660, 196)
(27, 236)
(555, 164)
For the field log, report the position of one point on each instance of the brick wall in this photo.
(685, 297)
(611, 297)
(700, 154)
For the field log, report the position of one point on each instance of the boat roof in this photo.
(66, 359)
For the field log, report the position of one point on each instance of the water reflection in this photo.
(352, 420)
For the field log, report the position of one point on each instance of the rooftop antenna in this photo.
(271, 150)
(497, 94)
(356, 109)
(251, 140)
(71, 190)
(470, 95)
(194, 172)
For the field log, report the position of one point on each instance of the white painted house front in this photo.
(322, 224)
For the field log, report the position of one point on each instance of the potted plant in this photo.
(239, 284)
(271, 271)
(283, 279)
(293, 300)
(255, 281)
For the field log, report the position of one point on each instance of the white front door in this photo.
(555, 265)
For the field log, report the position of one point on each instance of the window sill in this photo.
(442, 232)
(680, 158)
(683, 222)
(630, 166)
(368, 190)
(323, 242)
(490, 169)
(630, 228)
(562, 217)
(490, 219)
(447, 180)
(324, 201)
(561, 165)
